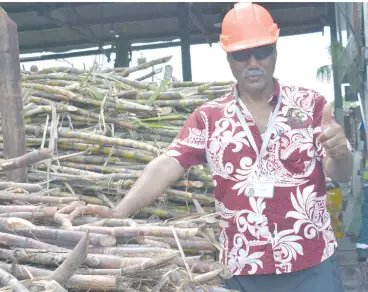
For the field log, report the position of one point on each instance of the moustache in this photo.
(253, 73)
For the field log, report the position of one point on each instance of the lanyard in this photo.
(268, 133)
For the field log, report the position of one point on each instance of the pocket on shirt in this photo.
(296, 149)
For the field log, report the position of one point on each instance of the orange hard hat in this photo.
(247, 26)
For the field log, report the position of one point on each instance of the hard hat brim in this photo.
(250, 44)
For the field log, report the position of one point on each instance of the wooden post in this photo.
(11, 104)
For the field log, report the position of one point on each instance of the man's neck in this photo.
(257, 97)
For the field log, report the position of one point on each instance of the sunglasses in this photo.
(259, 53)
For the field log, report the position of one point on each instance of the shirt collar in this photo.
(273, 99)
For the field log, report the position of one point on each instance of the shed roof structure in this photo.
(60, 27)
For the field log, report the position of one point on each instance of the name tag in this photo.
(260, 189)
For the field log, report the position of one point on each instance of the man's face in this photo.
(253, 69)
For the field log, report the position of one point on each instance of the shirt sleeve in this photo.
(188, 147)
(317, 119)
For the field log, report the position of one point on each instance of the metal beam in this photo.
(91, 52)
(167, 36)
(339, 111)
(197, 18)
(73, 12)
(138, 17)
(107, 20)
(62, 55)
(63, 24)
(183, 14)
(15, 8)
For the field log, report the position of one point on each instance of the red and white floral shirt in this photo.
(291, 231)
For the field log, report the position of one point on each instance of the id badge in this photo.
(260, 189)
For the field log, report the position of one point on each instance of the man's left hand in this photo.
(333, 137)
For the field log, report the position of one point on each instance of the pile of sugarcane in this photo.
(57, 243)
(105, 126)
(89, 135)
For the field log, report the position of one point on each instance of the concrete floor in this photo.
(354, 274)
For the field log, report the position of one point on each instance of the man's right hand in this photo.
(156, 177)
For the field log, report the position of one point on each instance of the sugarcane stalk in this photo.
(150, 74)
(127, 94)
(11, 224)
(131, 232)
(130, 251)
(29, 106)
(166, 132)
(153, 137)
(4, 195)
(105, 181)
(99, 272)
(95, 261)
(53, 89)
(165, 118)
(86, 113)
(25, 242)
(30, 216)
(75, 169)
(101, 211)
(194, 84)
(76, 282)
(143, 66)
(207, 277)
(27, 208)
(93, 102)
(110, 222)
(199, 197)
(161, 213)
(214, 288)
(157, 261)
(100, 169)
(58, 235)
(70, 70)
(200, 100)
(26, 159)
(130, 154)
(59, 83)
(132, 83)
(165, 95)
(62, 77)
(7, 279)
(48, 109)
(99, 138)
(86, 199)
(25, 186)
(194, 243)
(94, 159)
(75, 258)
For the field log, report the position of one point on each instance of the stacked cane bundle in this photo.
(89, 135)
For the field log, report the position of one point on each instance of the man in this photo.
(267, 146)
